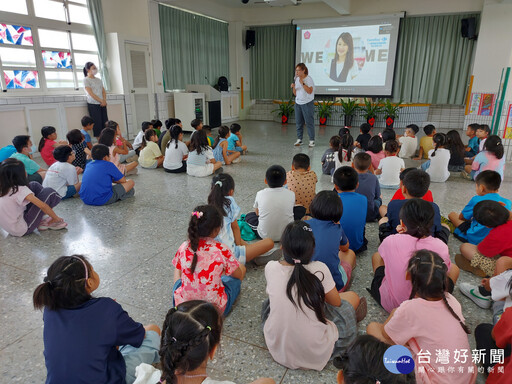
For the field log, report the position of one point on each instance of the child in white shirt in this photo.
(437, 166)
(62, 176)
(408, 142)
(176, 152)
(390, 167)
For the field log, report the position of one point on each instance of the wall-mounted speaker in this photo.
(468, 28)
(250, 38)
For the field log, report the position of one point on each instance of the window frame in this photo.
(36, 23)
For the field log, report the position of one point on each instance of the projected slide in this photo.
(352, 60)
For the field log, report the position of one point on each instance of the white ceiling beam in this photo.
(340, 6)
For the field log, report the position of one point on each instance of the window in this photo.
(44, 45)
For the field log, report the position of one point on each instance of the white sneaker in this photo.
(298, 143)
(311, 143)
(237, 160)
(473, 293)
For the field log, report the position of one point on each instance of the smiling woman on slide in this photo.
(343, 67)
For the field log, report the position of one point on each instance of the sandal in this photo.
(465, 265)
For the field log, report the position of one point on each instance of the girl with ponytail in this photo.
(437, 166)
(490, 159)
(190, 337)
(47, 144)
(89, 339)
(221, 196)
(220, 148)
(305, 319)
(431, 320)
(206, 269)
(176, 152)
(389, 286)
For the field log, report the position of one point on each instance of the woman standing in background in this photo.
(96, 98)
(304, 91)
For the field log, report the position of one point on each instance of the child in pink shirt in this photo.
(47, 144)
(430, 324)
(389, 286)
(375, 151)
(206, 269)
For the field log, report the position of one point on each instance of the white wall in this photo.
(127, 17)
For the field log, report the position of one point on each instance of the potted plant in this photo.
(348, 110)
(324, 109)
(371, 110)
(284, 110)
(391, 112)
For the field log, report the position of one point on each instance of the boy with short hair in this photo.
(363, 139)
(408, 142)
(23, 146)
(62, 176)
(415, 186)
(426, 142)
(482, 132)
(328, 163)
(400, 196)
(208, 131)
(273, 206)
(487, 185)
(87, 125)
(301, 180)
(235, 139)
(368, 185)
(472, 147)
(138, 139)
(97, 188)
(355, 206)
(482, 259)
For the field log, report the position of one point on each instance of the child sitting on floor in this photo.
(164, 138)
(23, 204)
(107, 137)
(400, 196)
(328, 163)
(235, 139)
(137, 142)
(416, 323)
(221, 196)
(208, 130)
(303, 300)
(426, 143)
(471, 149)
(23, 146)
(197, 124)
(389, 286)
(456, 148)
(97, 188)
(150, 156)
(197, 325)
(301, 180)
(157, 125)
(345, 153)
(408, 142)
(62, 176)
(124, 147)
(439, 157)
(87, 125)
(364, 137)
(204, 268)
(79, 146)
(200, 160)
(331, 243)
(388, 171)
(415, 186)
(176, 153)
(491, 159)
(220, 148)
(487, 185)
(375, 151)
(89, 339)
(273, 206)
(482, 132)
(481, 259)
(47, 144)
(355, 205)
(368, 185)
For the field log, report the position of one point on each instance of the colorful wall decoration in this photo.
(21, 79)
(15, 35)
(57, 59)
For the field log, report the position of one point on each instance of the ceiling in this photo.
(340, 6)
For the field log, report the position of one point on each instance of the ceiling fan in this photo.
(278, 3)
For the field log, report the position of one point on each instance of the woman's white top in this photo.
(301, 96)
(352, 72)
(97, 88)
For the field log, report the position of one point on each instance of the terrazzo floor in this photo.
(131, 245)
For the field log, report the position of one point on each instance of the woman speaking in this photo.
(343, 67)
(96, 98)
(304, 91)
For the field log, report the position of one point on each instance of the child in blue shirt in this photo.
(89, 339)
(331, 243)
(474, 142)
(368, 185)
(6, 152)
(235, 140)
(87, 124)
(467, 229)
(354, 207)
(98, 177)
